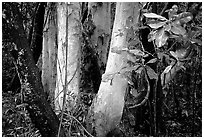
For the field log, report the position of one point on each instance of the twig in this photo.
(79, 123)
(163, 10)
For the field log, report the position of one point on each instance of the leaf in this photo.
(152, 35)
(129, 69)
(153, 15)
(199, 42)
(136, 52)
(172, 12)
(161, 38)
(167, 27)
(184, 17)
(152, 61)
(173, 54)
(156, 24)
(177, 29)
(151, 73)
(167, 69)
(179, 53)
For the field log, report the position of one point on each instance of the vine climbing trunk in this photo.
(107, 107)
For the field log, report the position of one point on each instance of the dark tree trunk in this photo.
(35, 38)
(39, 109)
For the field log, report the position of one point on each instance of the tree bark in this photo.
(36, 36)
(108, 105)
(49, 54)
(101, 17)
(39, 109)
(69, 32)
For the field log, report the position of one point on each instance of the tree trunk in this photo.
(69, 32)
(101, 17)
(49, 54)
(37, 36)
(39, 109)
(108, 106)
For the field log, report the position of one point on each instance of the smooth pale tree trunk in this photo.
(101, 17)
(69, 32)
(107, 107)
(49, 53)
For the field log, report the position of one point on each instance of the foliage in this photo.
(176, 43)
(178, 54)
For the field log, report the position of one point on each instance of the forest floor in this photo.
(181, 110)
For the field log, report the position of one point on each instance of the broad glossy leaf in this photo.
(160, 38)
(151, 73)
(156, 24)
(153, 15)
(180, 53)
(177, 29)
(184, 17)
(136, 52)
(167, 69)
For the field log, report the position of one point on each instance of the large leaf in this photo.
(167, 69)
(155, 24)
(136, 52)
(184, 17)
(180, 53)
(153, 15)
(151, 73)
(178, 29)
(160, 38)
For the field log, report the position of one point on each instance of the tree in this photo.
(100, 38)
(106, 109)
(147, 53)
(68, 52)
(49, 53)
(34, 97)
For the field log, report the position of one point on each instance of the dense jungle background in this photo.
(102, 69)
